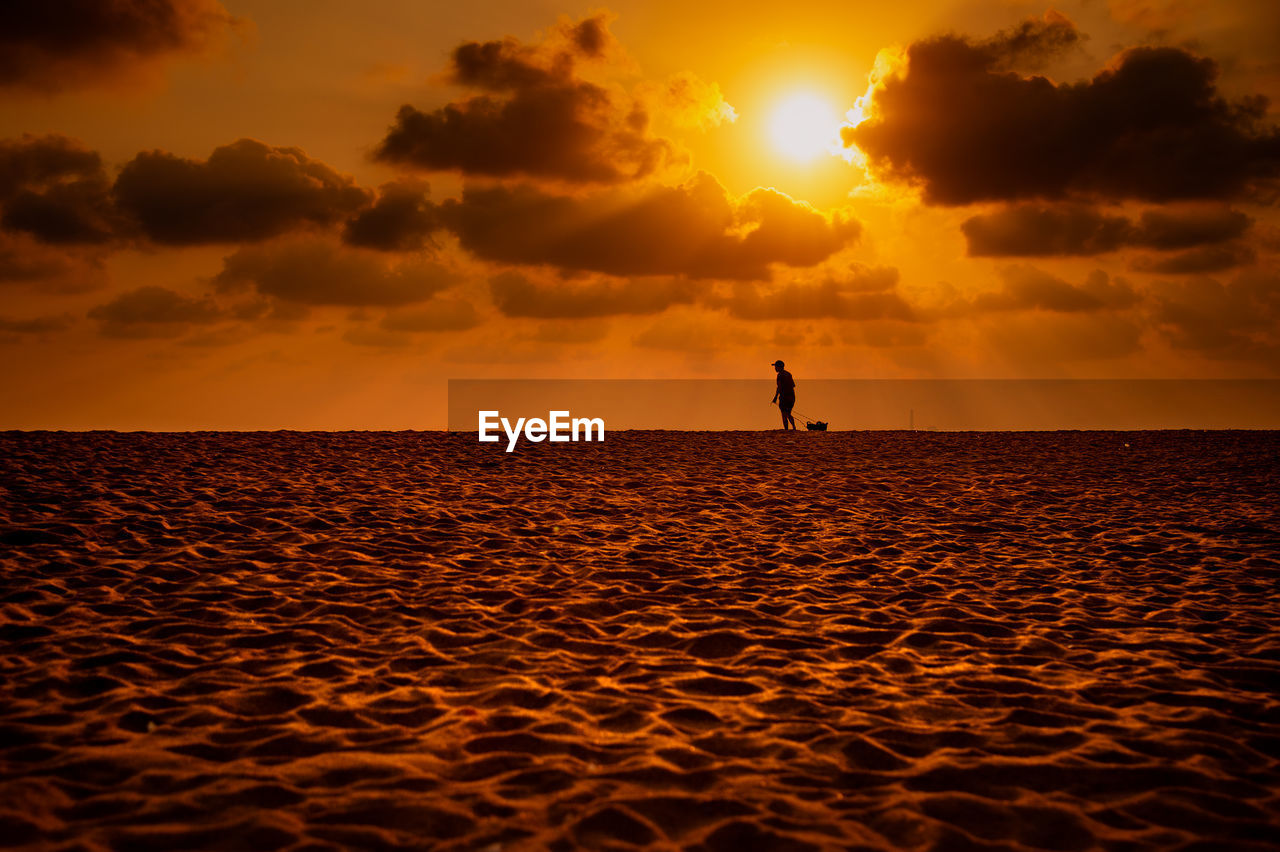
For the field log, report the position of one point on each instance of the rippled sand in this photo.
(705, 641)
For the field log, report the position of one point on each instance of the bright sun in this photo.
(803, 126)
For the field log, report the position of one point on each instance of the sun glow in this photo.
(803, 126)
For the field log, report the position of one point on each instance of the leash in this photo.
(806, 418)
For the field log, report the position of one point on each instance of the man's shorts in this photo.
(786, 402)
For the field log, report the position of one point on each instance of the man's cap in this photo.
(777, 364)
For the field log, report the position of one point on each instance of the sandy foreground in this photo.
(706, 641)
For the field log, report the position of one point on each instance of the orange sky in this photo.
(313, 214)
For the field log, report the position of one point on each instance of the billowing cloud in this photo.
(402, 219)
(517, 295)
(154, 312)
(54, 46)
(55, 189)
(864, 293)
(244, 192)
(534, 115)
(1031, 230)
(1026, 288)
(317, 272)
(694, 230)
(1151, 126)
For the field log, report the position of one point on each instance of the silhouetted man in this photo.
(785, 396)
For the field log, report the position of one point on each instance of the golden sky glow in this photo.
(290, 214)
(804, 126)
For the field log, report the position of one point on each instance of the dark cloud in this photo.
(402, 219)
(18, 265)
(245, 191)
(1237, 319)
(1026, 288)
(516, 295)
(536, 116)
(1029, 230)
(315, 272)
(1151, 126)
(34, 325)
(436, 315)
(1198, 260)
(865, 293)
(591, 36)
(50, 46)
(37, 161)
(153, 312)
(1031, 44)
(693, 230)
(1179, 229)
(55, 189)
(26, 262)
(70, 213)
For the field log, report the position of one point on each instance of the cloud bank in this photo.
(958, 122)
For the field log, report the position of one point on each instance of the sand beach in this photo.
(710, 641)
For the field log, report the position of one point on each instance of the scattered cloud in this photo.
(1032, 44)
(55, 189)
(51, 47)
(148, 312)
(863, 293)
(402, 219)
(695, 230)
(25, 262)
(517, 295)
(687, 100)
(318, 272)
(41, 325)
(1151, 126)
(1034, 230)
(1026, 288)
(534, 115)
(1204, 259)
(1063, 338)
(245, 192)
(1236, 319)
